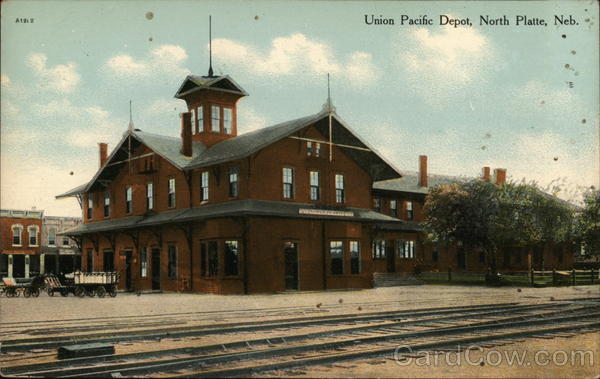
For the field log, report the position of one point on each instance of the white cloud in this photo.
(437, 64)
(249, 119)
(4, 81)
(164, 60)
(297, 55)
(60, 78)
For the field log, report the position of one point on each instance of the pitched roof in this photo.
(246, 207)
(249, 143)
(193, 83)
(409, 182)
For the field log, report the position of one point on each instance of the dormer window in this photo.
(90, 206)
(128, 200)
(171, 193)
(215, 118)
(227, 120)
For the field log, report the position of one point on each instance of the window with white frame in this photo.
(394, 208)
(377, 204)
(106, 204)
(336, 254)
(315, 190)
(171, 193)
(234, 187)
(378, 249)
(405, 249)
(204, 186)
(17, 230)
(199, 119)
(288, 183)
(340, 195)
(227, 120)
(409, 210)
(317, 149)
(128, 200)
(143, 262)
(149, 196)
(51, 237)
(309, 148)
(90, 206)
(32, 231)
(354, 257)
(215, 118)
(66, 241)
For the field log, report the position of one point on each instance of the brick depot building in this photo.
(20, 233)
(302, 205)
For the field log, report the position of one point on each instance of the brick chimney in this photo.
(422, 170)
(486, 174)
(103, 147)
(500, 175)
(186, 134)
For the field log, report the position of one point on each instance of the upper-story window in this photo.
(51, 237)
(234, 184)
(377, 204)
(149, 196)
(106, 204)
(340, 195)
(33, 230)
(17, 230)
(315, 193)
(128, 200)
(199, 119)
(409, 210)
(317, 149)
(204, 186)
(227, 120)
(171, 193)
(394, 208)
(66, 241)
(215, 118)
(309, 148)
(90, 206)
(288, 183)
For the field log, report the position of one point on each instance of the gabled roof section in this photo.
(193, 83)
(409, 182)
(249, 143)
(164, 146)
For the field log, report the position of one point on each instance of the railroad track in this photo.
(312, 340)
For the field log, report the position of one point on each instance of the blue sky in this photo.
(467, 97)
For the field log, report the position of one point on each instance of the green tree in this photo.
(482, 216)
(587, 226)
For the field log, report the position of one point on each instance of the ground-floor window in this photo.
(143, 262)
(89, 260)
(231, 257)
(34, 264)
(213, 258)
(482, 256)
(435, 255)
(172, 267)
(336, 253)
(378, 249)
(203, 266)
(354, 257)
(405, 249)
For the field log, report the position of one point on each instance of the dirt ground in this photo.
(377, 299)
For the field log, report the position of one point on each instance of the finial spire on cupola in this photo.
(210, 69)
(328, 106)
(130, 128)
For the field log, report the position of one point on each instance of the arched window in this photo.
(17, 229)
(33, 230)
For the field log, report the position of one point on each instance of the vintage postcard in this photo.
(299, 189)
